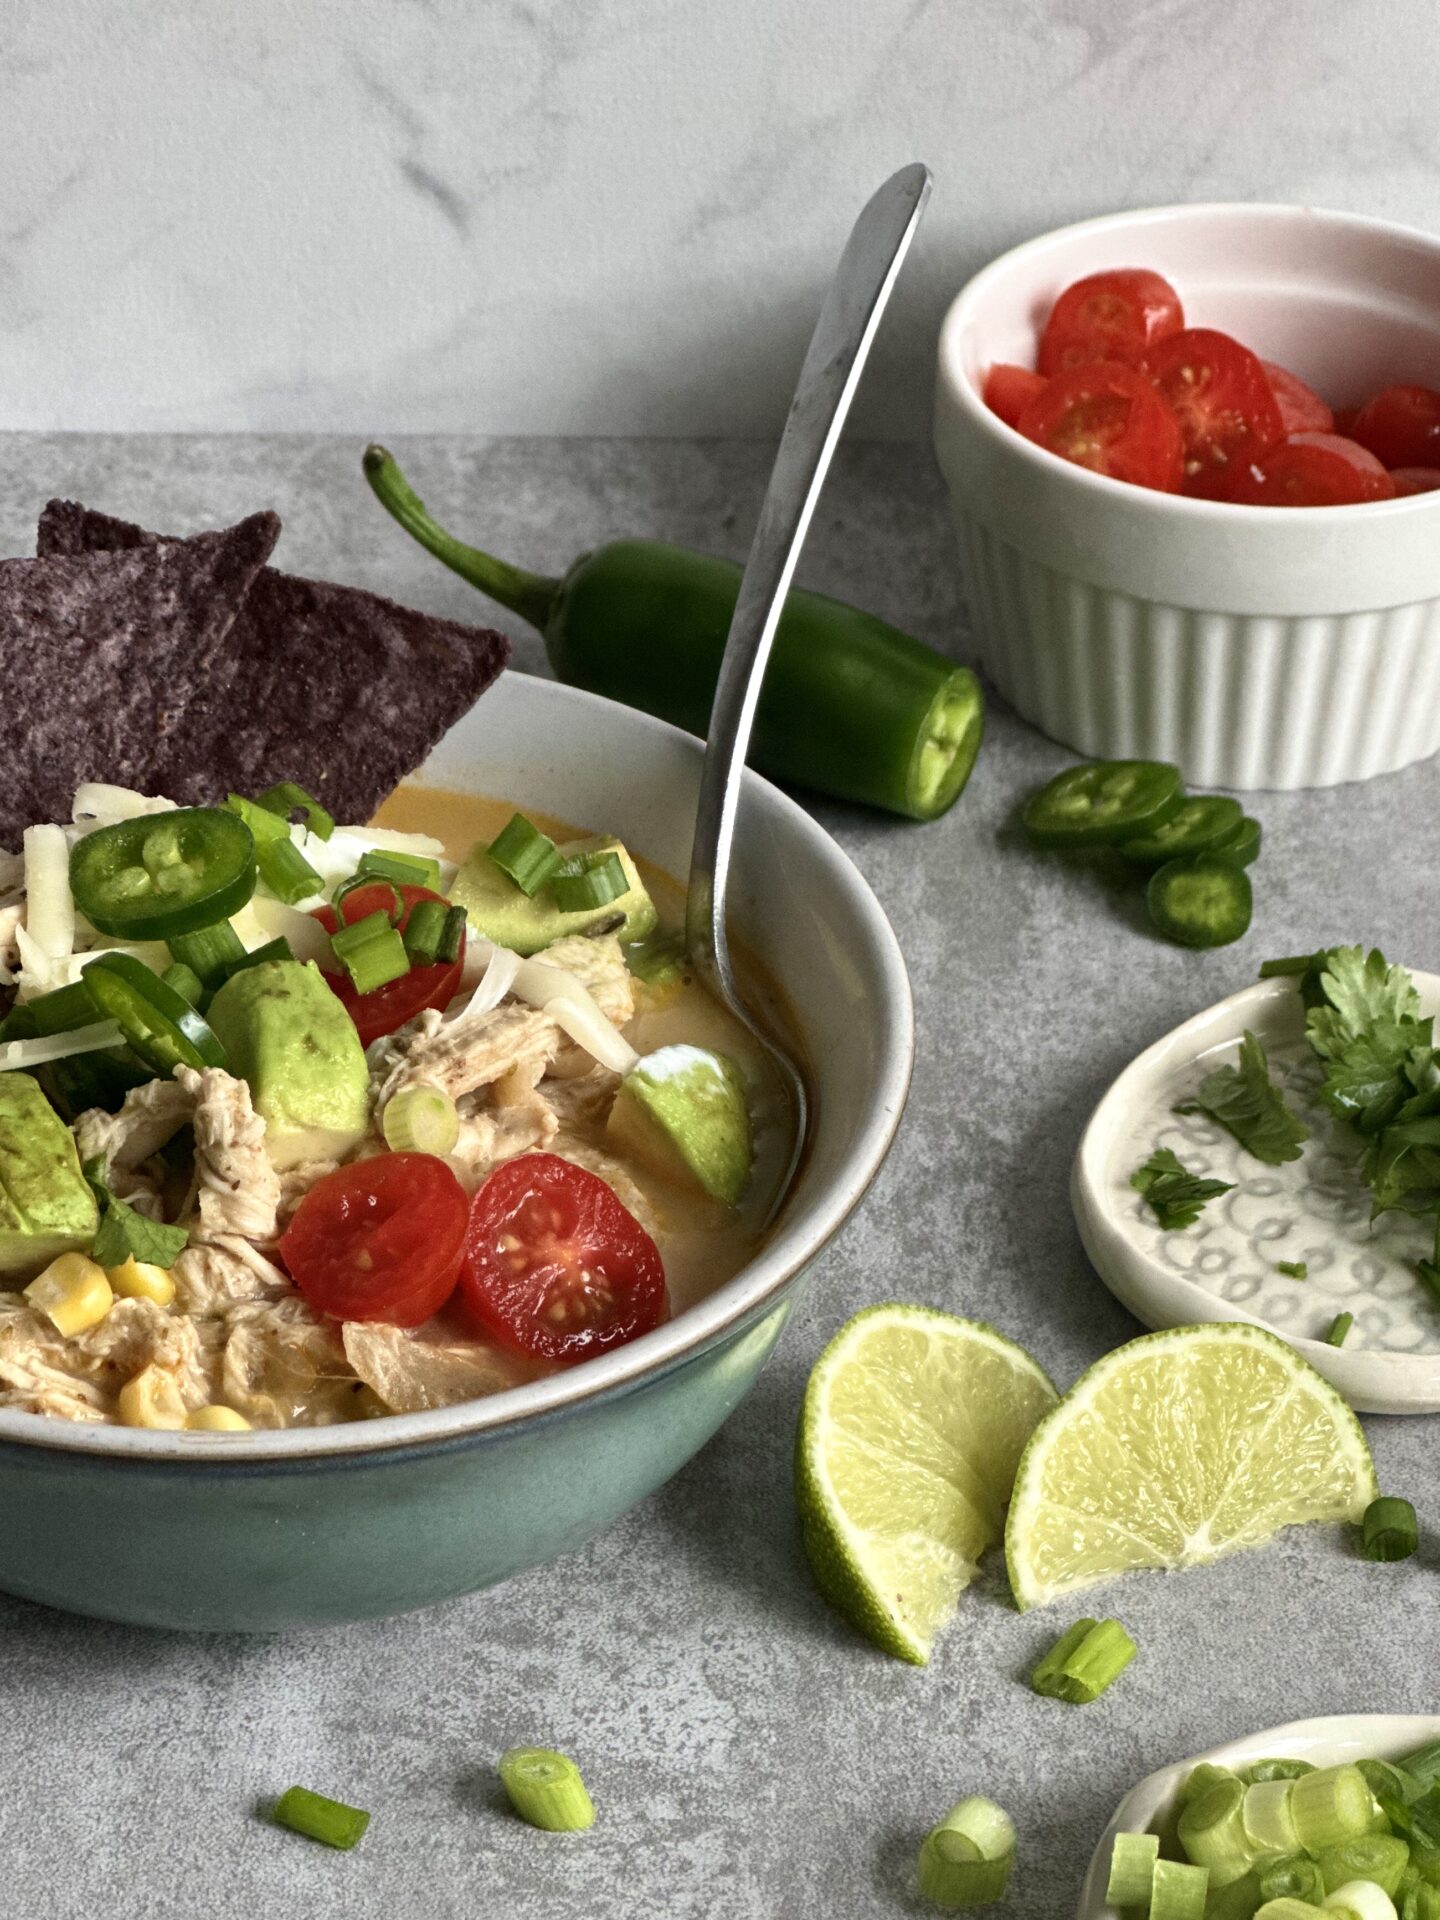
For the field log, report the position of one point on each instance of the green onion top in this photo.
(546, 1789)
(1390, 1530)
(525, 854)
(330, 1822)
(285, 798)
(286, 871)
(581, 885)
(401, 869)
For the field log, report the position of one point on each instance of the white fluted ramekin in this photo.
(1255, 646)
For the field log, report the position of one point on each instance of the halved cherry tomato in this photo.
(1313, 470)
(1400, 426)
(555, 1265)
(381, 1012)
(1415, 479)
(1109, 316)
(1301, 408)
(380, 1239)
(1110, 419)
(1218, 392)
(1009, 390)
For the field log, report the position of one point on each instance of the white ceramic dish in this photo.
(1312, 1209)
(1326, 1742)
(1257, 647)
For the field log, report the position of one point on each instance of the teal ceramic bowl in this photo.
(264, 1531)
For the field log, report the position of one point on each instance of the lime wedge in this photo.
(911, 1427)
(1178, 1449)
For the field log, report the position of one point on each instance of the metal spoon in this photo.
(844, 333)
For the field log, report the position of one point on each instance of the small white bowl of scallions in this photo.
(1186, 1844)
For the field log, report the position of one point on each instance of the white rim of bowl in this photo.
(796, 1241)
(959, 313)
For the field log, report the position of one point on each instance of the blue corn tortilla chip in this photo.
(326, 685)
(102, 656)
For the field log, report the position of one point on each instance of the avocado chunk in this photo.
(501, 912)
(46, 1206)
(290, 1038)
(681, 1112)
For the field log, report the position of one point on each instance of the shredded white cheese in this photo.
(49, 907)
(18, 1054)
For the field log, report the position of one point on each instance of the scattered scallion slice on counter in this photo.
(579, 886)
(420, 1120)
(400, 869)
(1339, 1329)
(966, 1860)
(285, 798)
(1174, 1195)
(286, 871)
(1390, 1529)
(330, 1822)
(1132, 1869)
(1084, 1662)
(546, 1789)
(1243, 1100)
(424, 931)
(525, 854)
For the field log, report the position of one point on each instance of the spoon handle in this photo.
(838, 349)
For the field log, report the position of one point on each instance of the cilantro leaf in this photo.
(125, 1234)
(1293, 1269)
(1173, 1194)
(1362, 992)
(1368, 1075)
(1243, 1100)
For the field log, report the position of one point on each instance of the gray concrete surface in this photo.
(749, 1756)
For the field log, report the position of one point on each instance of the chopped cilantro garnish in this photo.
(1295, 1269)
(1243, 1101)
(1173, 1194)
(126, 1234)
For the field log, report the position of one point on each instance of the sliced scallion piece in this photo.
(524, 854)
(1423, 1766)
(1084, 1662)
(1381, 1857)
(420, 1120)
(400, 869)
(286, 798)
(1339, 1328)
(1359, 1900)
(1179, 1891)
(371, 952)
(330, 1822)
(546, 1789)
(452, 936)
(1275, 1769)
(423, 931)
(286, 871)
(1268, 1821)
(277, 949)
(1331, 1805)
(64, 1011)
(1287, 1909)
(579, 886)
(210, 953)
(264, 825)
(1132, 1869)
(1294, 1876)
(185, 981)
(1390, 1529)
(395, 909)
(965, 1861)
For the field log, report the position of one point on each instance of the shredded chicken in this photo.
(411, 1373)
(36, 1360)
(124, 1141)
(211, 1276)
(238, 1189)
(599, 965)
(492, 1134)
(284, 1366)
(10, 918)
(295, 1183)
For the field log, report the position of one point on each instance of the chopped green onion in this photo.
(277, 949)
(395, 912)
(1200, 1780)
(1275, 1769)
(423, 931)
(1360, 1900)
(1294, 1269)
(1212, 1831)
(1268, 1819)
(264, 826)
(1380, 1857)
(1389, 1782)
(371, 952)
(286, 871)
(185, 981)
(210, 953)
(452, 938)
(1390, 1529)
(329, 1821)
(286, 798)
(1084, 1662)
(965, 1861)
(1331, 1805)
(658, 959)
(581, 885)
(546, 1789)
(1339, 1327)
(1286, 1909)
(1420, 1901)
(524, 854)
(64, 1011)
(1132, 1869)
(420, 1120)
(1295, 1877)
(401, 869)
(1422, 1766)
(1179, 1891)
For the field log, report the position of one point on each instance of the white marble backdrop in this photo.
(610, 216)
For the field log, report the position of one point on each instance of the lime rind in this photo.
(1175, 1450)
(911, 1428)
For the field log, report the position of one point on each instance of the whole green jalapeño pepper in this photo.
(850, 706)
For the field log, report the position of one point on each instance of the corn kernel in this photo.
(139, 1280)
(72, 1293)
(152, 1399)
(217, 1420)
